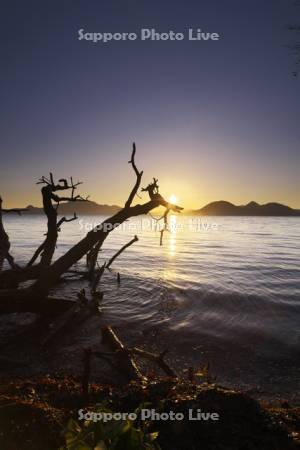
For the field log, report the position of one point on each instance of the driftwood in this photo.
(158, 359)
(51, 274)
(101, 231)
(124, 362)
(124, 357)
(47, 273)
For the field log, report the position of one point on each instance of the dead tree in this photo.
(101, 231)
(92, 255)
(49, 190)
(51, 275)
(46, 250)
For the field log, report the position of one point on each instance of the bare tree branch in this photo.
(138, 178)
(64, 219)
(50, 275)
(135, 239)
(47, 248)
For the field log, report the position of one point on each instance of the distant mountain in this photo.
(223, 208)
(219, 208)
(81, 208)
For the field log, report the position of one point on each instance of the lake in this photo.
(223, 290)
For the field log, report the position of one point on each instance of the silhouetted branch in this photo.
(97, 235)
(64, 219)
(152, 189)
(77, 198)
(121, 251)
(138, 178)
(42, 246)
(51, 275)
(47, 248)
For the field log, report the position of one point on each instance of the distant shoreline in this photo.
(218, 208)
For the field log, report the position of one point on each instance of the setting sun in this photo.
(173, 199)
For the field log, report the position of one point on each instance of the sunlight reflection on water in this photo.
(239, 278)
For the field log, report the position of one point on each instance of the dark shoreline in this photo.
(35, 411)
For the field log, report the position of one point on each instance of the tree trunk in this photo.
(50, 276)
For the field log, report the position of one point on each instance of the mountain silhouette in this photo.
(218, 208)
(223, 208)
(80, 208)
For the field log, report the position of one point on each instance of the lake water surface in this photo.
(220, 289)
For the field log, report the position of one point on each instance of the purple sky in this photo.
(211, 120)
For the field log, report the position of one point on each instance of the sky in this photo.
(214, 120)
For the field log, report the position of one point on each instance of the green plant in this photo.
(111, 435)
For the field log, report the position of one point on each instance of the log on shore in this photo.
(124, 361)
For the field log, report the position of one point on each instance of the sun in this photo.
(173, 199)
